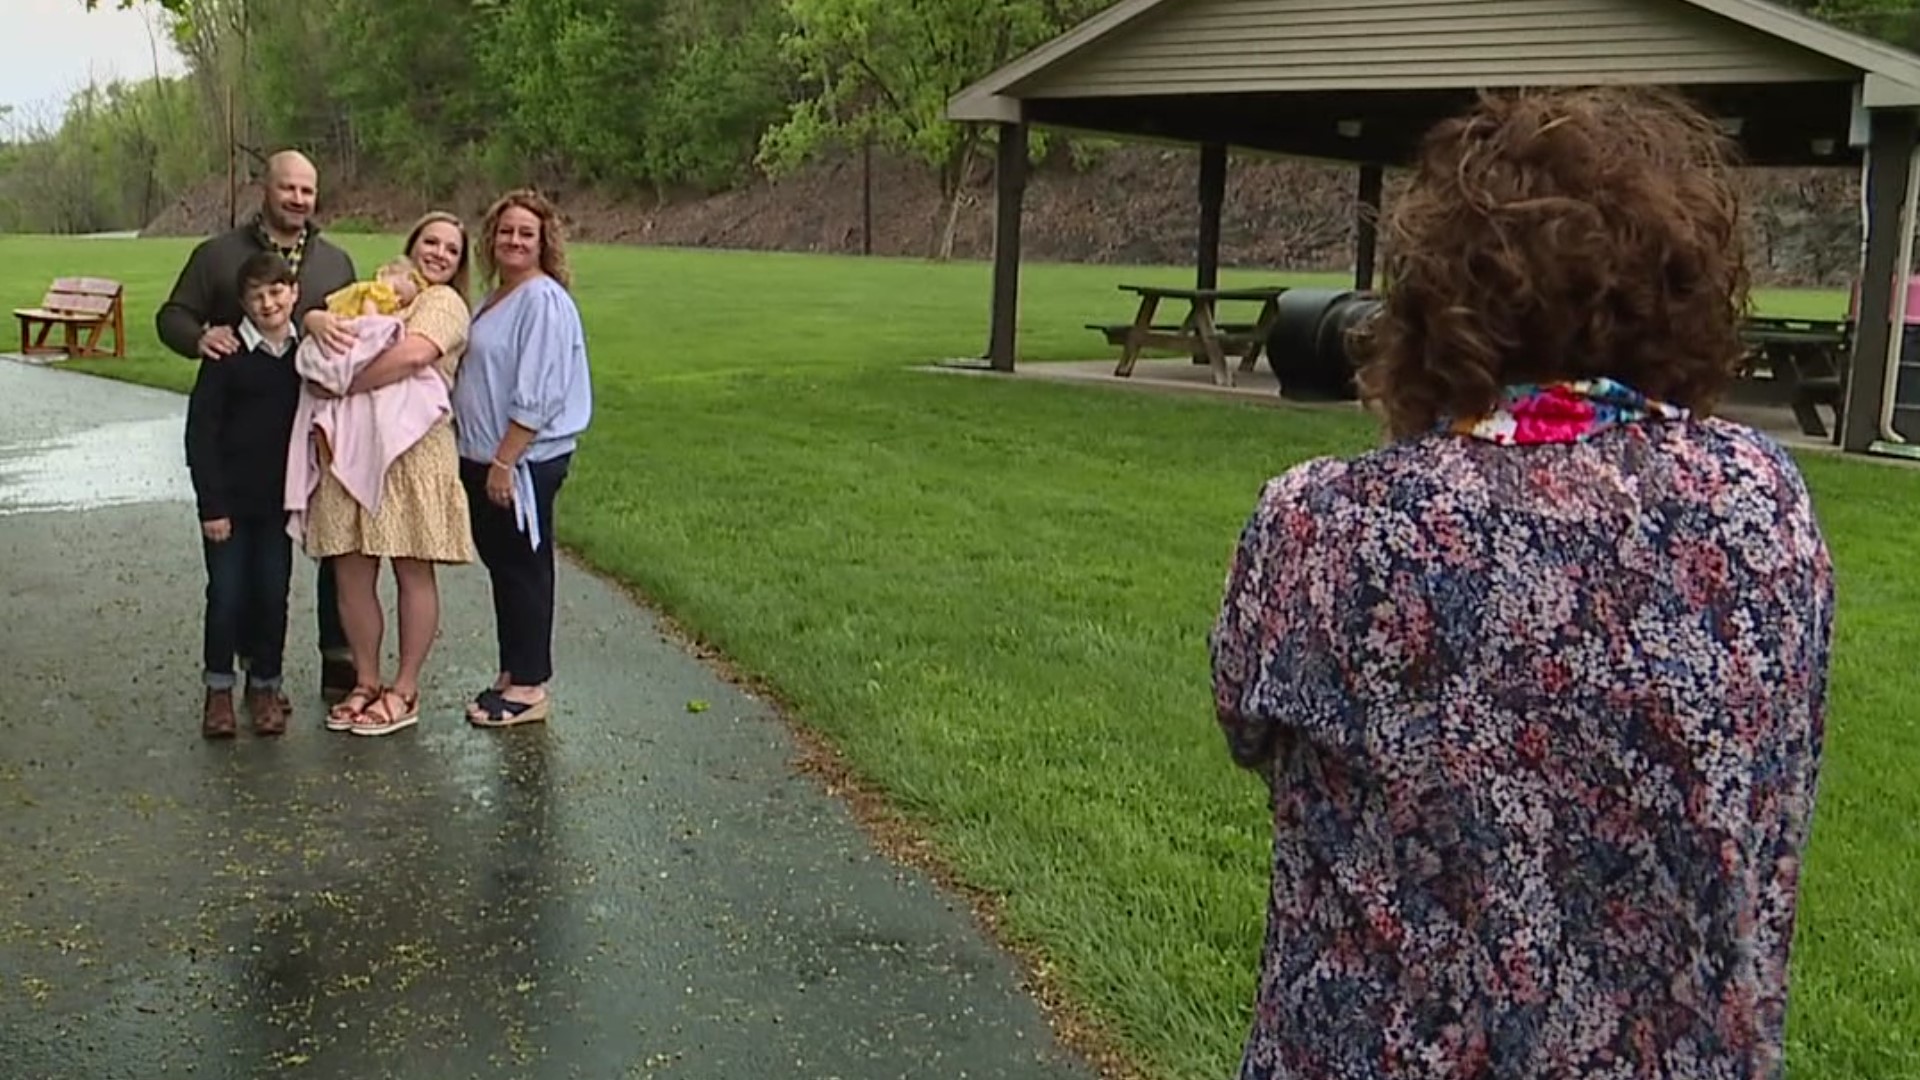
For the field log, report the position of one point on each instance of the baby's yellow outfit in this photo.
(346, 303)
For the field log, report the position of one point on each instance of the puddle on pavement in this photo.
(132, 461)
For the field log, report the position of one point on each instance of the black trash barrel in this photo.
(1307, 348)
(1906, 386)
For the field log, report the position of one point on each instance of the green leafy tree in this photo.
(725, 82)
(108, 164)
(624, 94)
(577, 79)
(883, 70)
(403, 89)
(1894, 21)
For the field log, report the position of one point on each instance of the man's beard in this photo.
(280, 223)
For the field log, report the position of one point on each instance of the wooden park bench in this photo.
(1243, 340)
(76, 305)
(1231, 334)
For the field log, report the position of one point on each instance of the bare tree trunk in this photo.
(866, 195)
(243, 76)
(84, 213)
(149, 128)
(947, 231)
(151, 154)
(956, 195)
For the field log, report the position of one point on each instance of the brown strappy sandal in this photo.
(388, 720)
(341, 716)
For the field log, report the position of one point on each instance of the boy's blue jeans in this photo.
(247, 576)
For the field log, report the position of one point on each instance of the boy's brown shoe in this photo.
(268, 711)
(217, 720)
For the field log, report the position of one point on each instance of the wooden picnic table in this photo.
(1200, 334)
(1805, 357)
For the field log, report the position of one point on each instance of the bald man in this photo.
(202, 319)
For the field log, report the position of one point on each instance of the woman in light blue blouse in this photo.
(522, 399)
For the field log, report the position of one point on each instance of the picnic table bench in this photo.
(1806, 357)
(1200, 334)
(76, 305)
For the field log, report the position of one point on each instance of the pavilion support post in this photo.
(1892, 139)
(1213, 196)
(1366, 224)
(1009, 193)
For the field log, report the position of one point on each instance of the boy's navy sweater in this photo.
(239, 422)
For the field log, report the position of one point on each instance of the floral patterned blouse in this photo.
(1541, 703)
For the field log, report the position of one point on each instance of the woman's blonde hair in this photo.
(404, 267)
(462, 282)
(553, 235)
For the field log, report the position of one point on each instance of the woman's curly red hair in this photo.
(1553, 235)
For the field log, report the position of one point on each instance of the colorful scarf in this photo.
(1530, 414)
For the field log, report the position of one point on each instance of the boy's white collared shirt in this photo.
(252, 338)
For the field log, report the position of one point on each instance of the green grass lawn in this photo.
(992, 597)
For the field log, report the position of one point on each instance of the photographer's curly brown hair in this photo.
(1559, 235)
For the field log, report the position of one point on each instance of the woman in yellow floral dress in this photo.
(422, 517)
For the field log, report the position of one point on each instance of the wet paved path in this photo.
(633, 891)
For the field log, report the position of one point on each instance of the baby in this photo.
(378, 308)
(394, 286)
(357, 436)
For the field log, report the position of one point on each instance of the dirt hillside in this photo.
(1132, 205)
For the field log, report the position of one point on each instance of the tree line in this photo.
(634, 96)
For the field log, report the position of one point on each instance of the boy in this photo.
(239, 423)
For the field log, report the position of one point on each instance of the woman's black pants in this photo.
(522, 576)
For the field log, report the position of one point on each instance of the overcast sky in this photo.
(52, 46)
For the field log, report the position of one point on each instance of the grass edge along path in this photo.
(902, 839)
